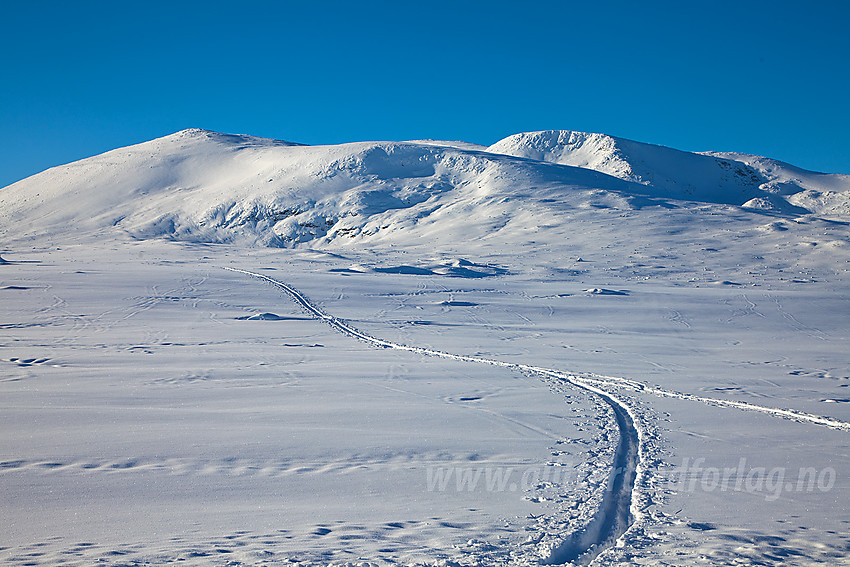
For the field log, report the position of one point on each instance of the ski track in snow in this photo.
(620, 506)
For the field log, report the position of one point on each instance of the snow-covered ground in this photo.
(424, 352)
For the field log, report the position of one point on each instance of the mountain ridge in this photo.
(204, 186)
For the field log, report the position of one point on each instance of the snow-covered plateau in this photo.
(565, 348)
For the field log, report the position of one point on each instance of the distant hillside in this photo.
(203, 186)
(716, 177)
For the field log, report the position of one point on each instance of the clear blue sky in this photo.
(764, 77)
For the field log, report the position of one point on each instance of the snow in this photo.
(718, 177)
(620, 341)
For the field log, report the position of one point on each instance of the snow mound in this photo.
(263, 317)
(459, 268)
(604, 291)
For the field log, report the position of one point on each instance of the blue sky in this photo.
(80, 78)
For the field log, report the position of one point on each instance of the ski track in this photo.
(620, 508)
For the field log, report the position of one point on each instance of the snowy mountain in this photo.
(738, 179)
(203, 186)
(825, 194)
(197, 185)
(564, 349)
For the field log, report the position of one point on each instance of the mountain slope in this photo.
(203, 186)
(828, 194)
(729, 178)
